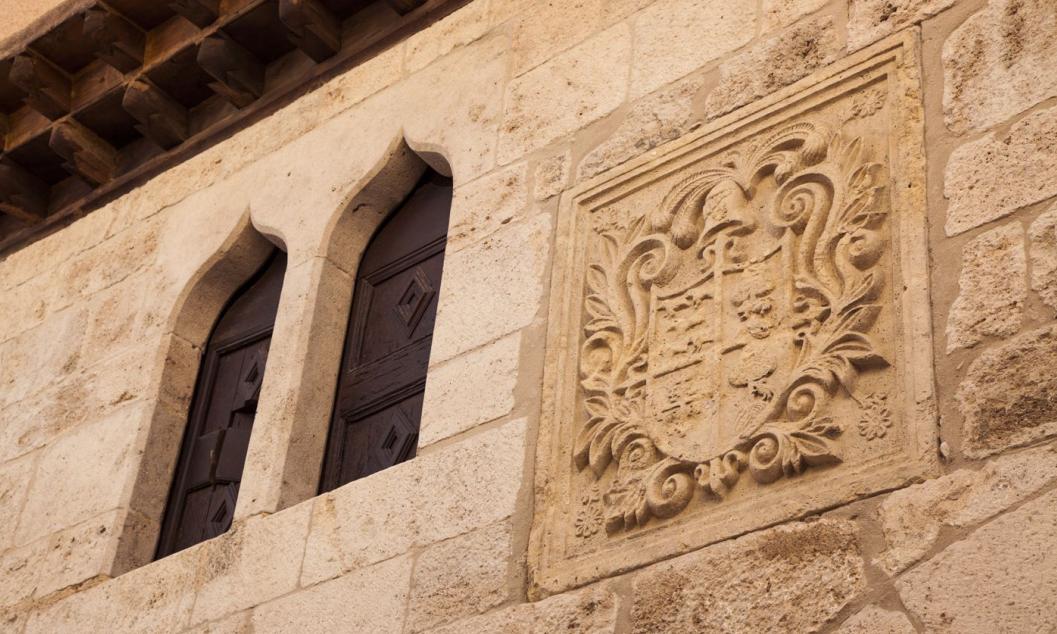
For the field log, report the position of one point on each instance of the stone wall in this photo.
(102, 322)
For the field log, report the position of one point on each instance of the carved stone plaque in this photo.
(740, 329)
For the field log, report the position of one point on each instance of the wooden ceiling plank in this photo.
(22, 194)
(201, 13)
(161, 118)
(239, 75)
(86, 154)
(313, 27)
(118, 42)
(403, 7)
(47, 89)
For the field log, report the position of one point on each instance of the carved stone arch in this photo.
(187, 328)
(284, 461)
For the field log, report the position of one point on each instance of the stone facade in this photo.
(930, 125)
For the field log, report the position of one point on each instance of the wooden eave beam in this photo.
(160, 117)
(22, 194)
(201, 13)
(87, 155)
(239, 75)
(403, 7)
(118, 42)
(47, 89)
(312, 27)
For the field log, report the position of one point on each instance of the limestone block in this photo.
(461, 577)
(592, 611)
(551, 27)
(781, 13)
(1007, 394)
(366, 601)
(652, 120)
(20, 569)
(42, 355)
(773, 63)
(870, 20)
(551, 176)
(992, 286)
(470, 389)
(481, 207)
(791, 578)
(15, 479)
(115, 320)
(913, 517)
(994, 176)
(567, 93)
(154, 598)
(27, 304)
(457, 29)
(80, 475)
(998, 63)
(434, 497)
(668, 38)
(875, 620)
(1001, 578)
(111, 261)
(239, 623)
(1042, 250)
(256, 561)
(492, 288)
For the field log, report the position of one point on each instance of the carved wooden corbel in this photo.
(201, 13)
(161, 118)
(22, 194)
(47, 89)
(118, 42)
(404, 7)
(86, 154)
(312, 27)
(238, 73)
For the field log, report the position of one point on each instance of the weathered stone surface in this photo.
(792, 578)
(875, 620)
(999, 63)
(913, 517)
(367, 601)
(1042, 250)
(566, 93)
(481, 207)
(1007, 396)
(76, 475)
(154, 598)
(492, 288)
(434, 497)
(15, 478)
(235, 624)
(593, 611)
(470, 389)
(458, 29)
(651, 121)
(80, 553)
(781, 13)
(20, 569)
(870, 20)
(668, 42)
(461, 577)
(255, 561)
(550, 27)
(110, 262)
(1001, 578)
(34, 358)
(994, 176)
(773, 63)
(993, 288)
(114, 321)
(551, 175)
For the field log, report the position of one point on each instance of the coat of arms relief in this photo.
(740, 330)
(721, 327)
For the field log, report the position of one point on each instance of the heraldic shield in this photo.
(723, 328)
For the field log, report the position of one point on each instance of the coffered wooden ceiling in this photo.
(125, 88)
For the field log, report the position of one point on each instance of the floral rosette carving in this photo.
(812, 193)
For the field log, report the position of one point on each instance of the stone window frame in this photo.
(287, 447)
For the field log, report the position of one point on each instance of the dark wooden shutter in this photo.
(208, 473)
(379, 401)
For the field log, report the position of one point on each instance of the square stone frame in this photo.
(894, 61)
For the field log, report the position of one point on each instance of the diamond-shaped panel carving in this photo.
(411, 306)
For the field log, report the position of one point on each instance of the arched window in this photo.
(206, 484)
(383, 372)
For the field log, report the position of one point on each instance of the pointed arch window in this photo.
(209, 470)
(378, 406)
